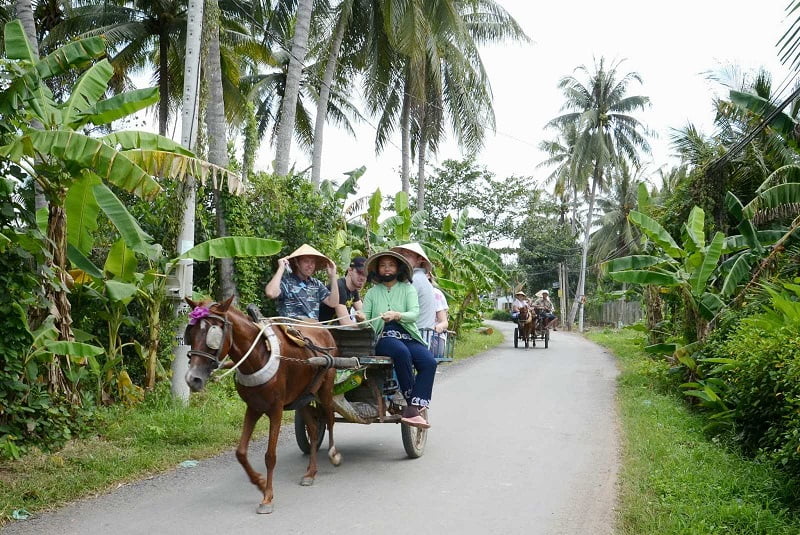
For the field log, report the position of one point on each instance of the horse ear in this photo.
(223, 307)
(190, 302)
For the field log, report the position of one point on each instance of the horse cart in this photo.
(288, 365)
(531, 326)
(370, 392)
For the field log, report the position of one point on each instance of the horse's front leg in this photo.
(313, 430)
(251, 417)
(271, 458)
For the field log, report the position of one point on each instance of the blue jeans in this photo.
(407, 356)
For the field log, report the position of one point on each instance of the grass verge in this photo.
(675, 478)
(136, 442)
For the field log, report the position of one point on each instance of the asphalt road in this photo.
(523, 441)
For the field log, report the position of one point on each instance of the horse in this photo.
(270, 378)
(527, 324)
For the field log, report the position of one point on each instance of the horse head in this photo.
(524, 314)
(210, 335)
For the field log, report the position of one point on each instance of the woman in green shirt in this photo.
(393, 301)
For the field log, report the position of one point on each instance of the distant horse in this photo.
(527, 324)
(273, 375)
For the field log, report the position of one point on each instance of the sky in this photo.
(672, 45)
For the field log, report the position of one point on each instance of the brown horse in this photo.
(527, 324)
(277, 374)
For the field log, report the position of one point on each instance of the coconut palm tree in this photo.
(567, 179)
(422, 67)
(286, 120)
(617, 236)
(607, 133)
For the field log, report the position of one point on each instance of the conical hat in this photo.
(306, 250)
(520, 292)
(415, 247)
(372, 262)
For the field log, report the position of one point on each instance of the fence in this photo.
(615, 312)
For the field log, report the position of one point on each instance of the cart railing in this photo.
(442, 345)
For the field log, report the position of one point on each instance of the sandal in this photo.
(416, 421)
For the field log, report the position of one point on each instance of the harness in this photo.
(216, 335)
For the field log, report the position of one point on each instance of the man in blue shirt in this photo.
(298, 293)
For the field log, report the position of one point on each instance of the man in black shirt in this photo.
(349, 286)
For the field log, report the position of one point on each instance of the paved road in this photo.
(523, 442)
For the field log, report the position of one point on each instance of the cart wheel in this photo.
(516, 337)
(414, 438)
(546, 338)
(301, 435)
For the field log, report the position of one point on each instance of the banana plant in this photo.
(686, 270)
(119, 283)
(61, 156)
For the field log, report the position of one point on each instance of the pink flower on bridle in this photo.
(197, 313)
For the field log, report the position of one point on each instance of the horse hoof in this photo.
(335, 458)
(264, 508)
(307, 481)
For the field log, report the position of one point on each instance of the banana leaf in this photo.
(121, 262)
(694, 227)
(738, 273)
(73, 349)
(89, 88)
(169, 164)
(80, 261)
(656, 233)
(712, 254)
(776, 196)
(710, 304)
(635, 262)
(84, 152)
(120, 291)
(119, 106)
(82, 210)
(133, 235)
(137, 140)
(232, 246)
(734, 206)
(636, 276)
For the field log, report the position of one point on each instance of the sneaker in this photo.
(416, 421)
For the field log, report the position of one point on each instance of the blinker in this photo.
(214, 337)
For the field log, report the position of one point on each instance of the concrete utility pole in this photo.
(191, 99)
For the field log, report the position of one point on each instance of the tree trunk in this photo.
(421, 150)
(25, 16)
(578, 303)
(405, 128)
(163, 82)
(57, 294)
(218, 142)
(325, 90)
(292, 90)
(653, 314)
(185, 269)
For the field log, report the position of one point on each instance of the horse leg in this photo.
(326, 406)
(251, 417)
(270, 459)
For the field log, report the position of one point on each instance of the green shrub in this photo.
(500, 315)
(763, 385)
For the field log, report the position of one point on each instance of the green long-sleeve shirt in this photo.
(402, 298)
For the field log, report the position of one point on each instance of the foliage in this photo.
(545, 241)
(288, 209)
(29, 414)
(496, 207)
(675, 479)
(763, 385)
(500, 315)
